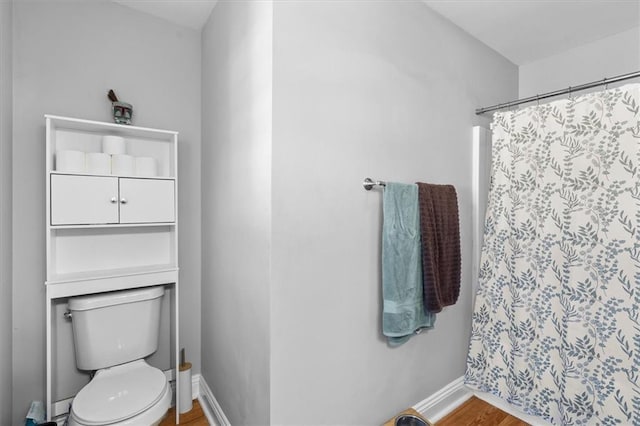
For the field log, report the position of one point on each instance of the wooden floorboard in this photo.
(476, 412)
(195, 417)
(473, 412)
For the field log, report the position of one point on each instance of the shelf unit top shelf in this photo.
(114, 225)
(116, 129)
(64, 285)
(55, 172)
(108, 273)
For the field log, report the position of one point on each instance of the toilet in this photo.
(113, 333)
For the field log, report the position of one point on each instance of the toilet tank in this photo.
(116, 327)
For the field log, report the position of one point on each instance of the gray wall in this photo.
(236, 202)
(66, 57)
(379, 89)
(291, 329)
(608, 57)
(6, 98)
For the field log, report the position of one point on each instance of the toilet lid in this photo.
(119, 392)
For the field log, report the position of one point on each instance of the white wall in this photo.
(67, 55)
(608, 57)
(364, 89)
(236, 202)
(6, 98)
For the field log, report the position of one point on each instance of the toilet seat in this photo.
(118, 393)
(153, 416)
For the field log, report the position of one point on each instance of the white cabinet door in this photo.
(83, 200)
(147, 200)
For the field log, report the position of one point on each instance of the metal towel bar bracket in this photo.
(368, 183)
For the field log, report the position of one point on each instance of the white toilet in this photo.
(113, 332)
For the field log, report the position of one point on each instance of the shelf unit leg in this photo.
(177, 349)
(48, 355)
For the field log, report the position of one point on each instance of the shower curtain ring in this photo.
(538, 99)
(606, 84)
(570, 94)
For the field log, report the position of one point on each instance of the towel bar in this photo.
(368, 183)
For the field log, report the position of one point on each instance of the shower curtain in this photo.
(556, 323)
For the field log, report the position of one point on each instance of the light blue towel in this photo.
(403, 307)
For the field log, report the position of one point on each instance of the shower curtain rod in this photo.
(569, 89)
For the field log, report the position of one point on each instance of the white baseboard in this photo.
(210, 406)
(195, 382)
(450, 397)
(444, 401)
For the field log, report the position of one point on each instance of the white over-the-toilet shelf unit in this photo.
(109, 232)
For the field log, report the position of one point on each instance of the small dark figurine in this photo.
(122, 111)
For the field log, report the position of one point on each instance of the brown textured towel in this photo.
(440, 232)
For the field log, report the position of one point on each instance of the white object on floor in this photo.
(184, 377)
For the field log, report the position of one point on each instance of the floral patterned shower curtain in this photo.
(556, 324)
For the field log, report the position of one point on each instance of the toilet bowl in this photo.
(129, 394)
(113, 333)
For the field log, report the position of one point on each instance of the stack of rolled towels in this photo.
(113, 160)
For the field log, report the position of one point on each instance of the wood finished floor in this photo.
(195, 417)
(476, 412)
(473, 412)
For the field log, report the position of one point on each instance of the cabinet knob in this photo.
(123, 200)
(114, 200)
